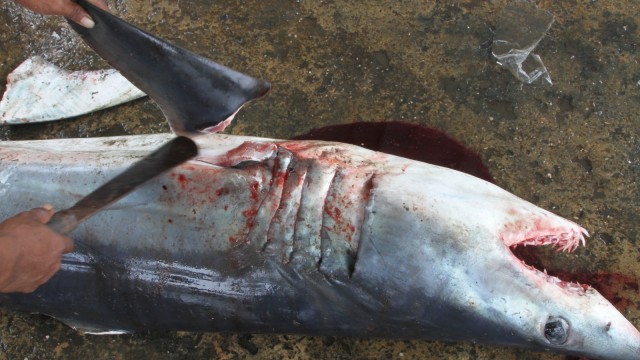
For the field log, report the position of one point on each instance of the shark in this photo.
(261, 235)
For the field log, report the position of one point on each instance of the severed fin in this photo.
(40, 91)
(194, 93)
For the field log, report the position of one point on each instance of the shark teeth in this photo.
(542, 228)
(566, 241)
(570, 286)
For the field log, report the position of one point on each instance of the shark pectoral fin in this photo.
(193, 92)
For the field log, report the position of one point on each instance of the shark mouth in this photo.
(563, 235)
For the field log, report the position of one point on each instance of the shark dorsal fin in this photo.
(194, 93)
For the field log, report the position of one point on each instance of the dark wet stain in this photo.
(475, 92)
(245, 342)
(502, 109)
(457, 89)
(542, 179)
(621, 31)
(446, 17)
(565, 106)
(604, 237)
(308, 27)
(584, 163)
(328, 340)
(608, 212)
(585, 54)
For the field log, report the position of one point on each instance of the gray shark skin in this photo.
(304, 237)
(199, 94)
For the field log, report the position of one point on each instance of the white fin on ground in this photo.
(40, 91)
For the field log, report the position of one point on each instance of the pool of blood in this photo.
(411, 141)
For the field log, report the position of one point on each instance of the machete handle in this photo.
(63, 222)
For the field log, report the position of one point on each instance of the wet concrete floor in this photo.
(572, 148)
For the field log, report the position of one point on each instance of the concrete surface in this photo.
(572, 147)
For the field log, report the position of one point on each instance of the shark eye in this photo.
(556, 330)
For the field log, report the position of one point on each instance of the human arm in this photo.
(66, 8)
(30, 252)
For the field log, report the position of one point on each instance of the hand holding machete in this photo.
(66, 8)
(32, 242)
(30, 251)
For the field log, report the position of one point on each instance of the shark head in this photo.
(449, 236)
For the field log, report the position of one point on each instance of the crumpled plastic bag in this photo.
(519, 29)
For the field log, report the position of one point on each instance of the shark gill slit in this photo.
(292, 197)
(280, 227)
(271, 202)
(366, 192)
(342, 227)
(324, 235)
(294, 226)
(308, 225)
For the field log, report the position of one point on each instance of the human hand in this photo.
(66, 8)
(30, 252)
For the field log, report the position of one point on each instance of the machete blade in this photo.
(169, 155)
